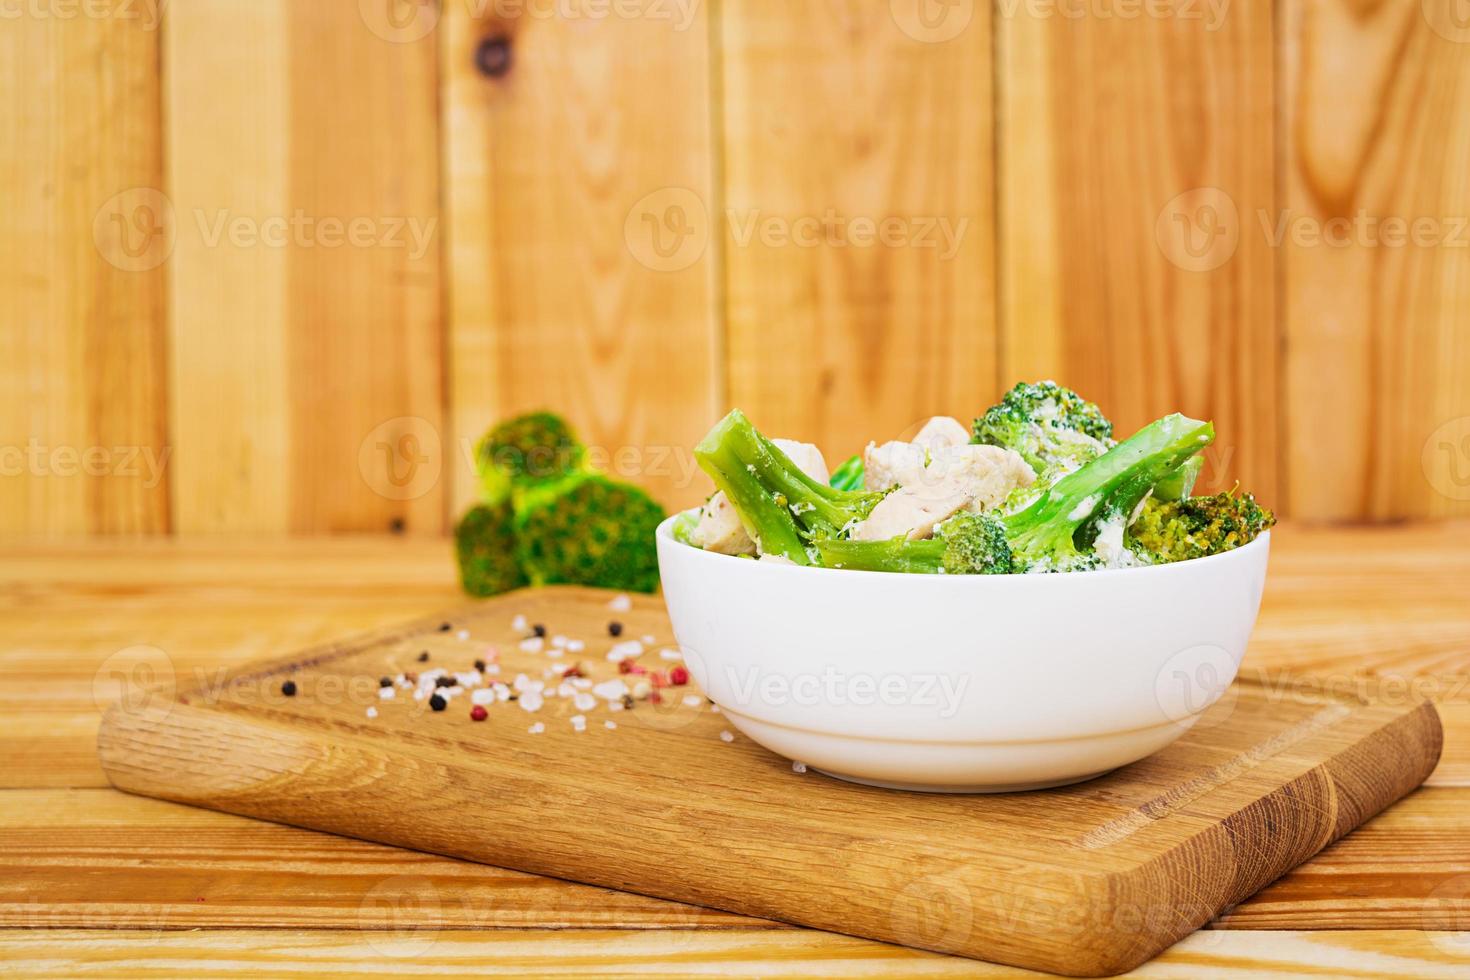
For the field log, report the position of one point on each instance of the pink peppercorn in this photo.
(679, 676)
(478, 713)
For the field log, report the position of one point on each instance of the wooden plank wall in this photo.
(274, 269)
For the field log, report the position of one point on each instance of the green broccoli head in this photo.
(586, 529)
(1177, 530)
(1048, 425)
(484, 543)
(526, 451)
(969, 544)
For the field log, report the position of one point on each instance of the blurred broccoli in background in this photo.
(1051, 427)
(525, 451)
(588, 530)
(1178, 530)
(484, 543)
(546, 517)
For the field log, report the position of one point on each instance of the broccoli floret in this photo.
(684, 525)
(1056, 531)
(970, 544)
(588, 530)
(484, 543)
(1178, 530)
(1048, 425)
(782, 507)
(524, 452)
(1180, 484)
(848, 476)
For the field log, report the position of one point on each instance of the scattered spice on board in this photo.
(289, 689)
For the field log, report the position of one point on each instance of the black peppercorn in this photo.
(289, 689)
(385, 682)
(438, 703)
(539, 630)
(480, 665)
(615, 628)
(423, 656)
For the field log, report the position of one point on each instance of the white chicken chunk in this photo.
(958, 478)
(719, 528)
(940, 433)
(892, 464)
(808, 458)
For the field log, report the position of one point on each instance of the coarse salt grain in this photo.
(530, 701)
(468, 678)
(559, 641)
(610, 724)
(714, 709)
(693, 700)
(798, 767)
(575, 646)
(386, 694)
(579, 722)
(518, 624)
(625, 651)
(727, 736)
(612, 690)
(648, 639)
(462, 635)
(671, 654)
(537, 728)
(484, 695)
(372, 712)
(583, 701)
(532, 644)
(620, 603)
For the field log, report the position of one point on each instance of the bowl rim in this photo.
(664, 534)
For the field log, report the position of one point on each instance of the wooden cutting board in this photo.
(1087, 880)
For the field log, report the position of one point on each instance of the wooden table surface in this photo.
(94, 882)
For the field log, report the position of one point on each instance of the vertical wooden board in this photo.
(570, 139)
(841, 118)
(303, 160)
(1134, 156)
(83, 414)
(1377, 183)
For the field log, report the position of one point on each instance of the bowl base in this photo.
(978, 788)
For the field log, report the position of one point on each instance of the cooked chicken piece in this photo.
(975, 477)
(941, 432)
(776, 559)
(892, 464)
(719, 528)
(808, 458)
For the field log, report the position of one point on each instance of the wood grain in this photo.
(558, 300)
(149, 863)
(305, 343)
(1133, 153)
(1377, 134)
(1157, 845)
(838, 121)
(1380, 955)
(83, 405)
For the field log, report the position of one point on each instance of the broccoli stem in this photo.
(781, 506)
(1065, 517)
(895, 555)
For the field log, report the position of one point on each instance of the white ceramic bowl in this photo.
(963, 683)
